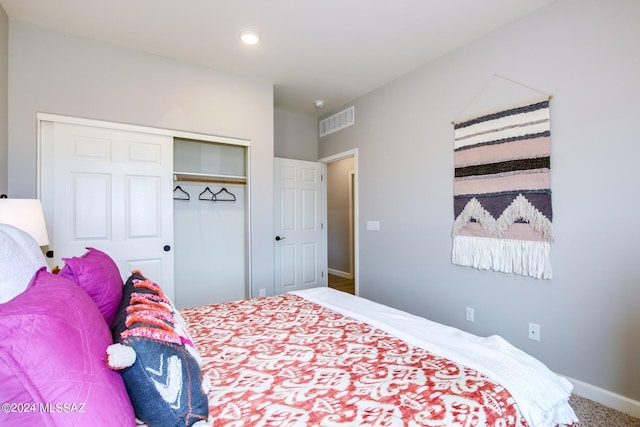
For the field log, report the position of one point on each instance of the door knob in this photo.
(278, 238)
(166, 248)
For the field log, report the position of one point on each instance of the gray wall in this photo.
(4, 97)
(61, 74)
(295, 136)
(584, 52)
(338, 215)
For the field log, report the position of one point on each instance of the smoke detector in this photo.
(319, 103)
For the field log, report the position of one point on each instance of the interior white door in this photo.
(300, 235)
(111, 190)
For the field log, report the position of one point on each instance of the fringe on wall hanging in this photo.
(502, 191)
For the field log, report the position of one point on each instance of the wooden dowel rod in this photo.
(213, 180)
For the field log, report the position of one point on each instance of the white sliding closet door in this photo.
(111, 190)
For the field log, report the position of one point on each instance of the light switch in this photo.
(373, 225)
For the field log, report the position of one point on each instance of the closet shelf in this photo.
(208, 177)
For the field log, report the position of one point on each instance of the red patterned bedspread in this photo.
(284, 361)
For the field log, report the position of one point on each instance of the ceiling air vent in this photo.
(338, 121)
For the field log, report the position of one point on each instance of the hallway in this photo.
(342, 284)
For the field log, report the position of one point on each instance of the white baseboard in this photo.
(340, 273)
(606, 397)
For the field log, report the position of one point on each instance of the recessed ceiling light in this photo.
(250, 37)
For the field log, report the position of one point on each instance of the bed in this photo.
(324, 357)
(317, 357)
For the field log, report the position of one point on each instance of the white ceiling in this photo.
(334, 50)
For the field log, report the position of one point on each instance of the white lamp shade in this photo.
(26, 215)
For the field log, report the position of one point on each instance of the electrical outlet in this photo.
(373, 225)
(262, 292)
(470, 314)
(534, 331)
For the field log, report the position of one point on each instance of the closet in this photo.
(209, 216)
(171, 204)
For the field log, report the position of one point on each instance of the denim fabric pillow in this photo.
(162, 376)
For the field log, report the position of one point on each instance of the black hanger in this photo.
(207, 190)
(181, 194)
(230, 197)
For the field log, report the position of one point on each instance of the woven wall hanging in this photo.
(502, 191)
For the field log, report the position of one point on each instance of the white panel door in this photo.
(300, 237)
(111, 190)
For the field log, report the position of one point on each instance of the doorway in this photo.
(342, 220)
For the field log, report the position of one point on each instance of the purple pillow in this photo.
(98, 275)
(52, 345)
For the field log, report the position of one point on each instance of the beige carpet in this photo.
(592, 414)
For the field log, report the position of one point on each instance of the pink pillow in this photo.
(98, 275)
(52, 344)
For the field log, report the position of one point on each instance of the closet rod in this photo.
(213, 180)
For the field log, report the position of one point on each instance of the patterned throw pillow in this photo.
(158, 362)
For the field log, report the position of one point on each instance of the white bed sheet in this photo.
(541, 395)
